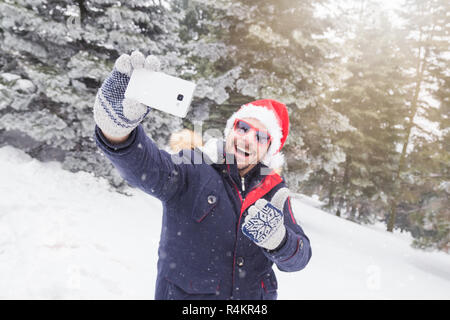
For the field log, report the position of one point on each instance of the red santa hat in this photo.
(274, 116)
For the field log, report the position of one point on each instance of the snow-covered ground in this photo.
(67, 235)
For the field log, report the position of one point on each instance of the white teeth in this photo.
(242, 150)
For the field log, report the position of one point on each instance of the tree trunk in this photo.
(392, 216)
(345, 183)
(331, 190)
(421, 66)
(340, 204)
(83, 10)
(353, 213)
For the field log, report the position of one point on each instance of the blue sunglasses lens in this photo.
(242, 127)
(262, 137)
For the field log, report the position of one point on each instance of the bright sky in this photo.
(334, 8)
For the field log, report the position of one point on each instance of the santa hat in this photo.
(274, 116)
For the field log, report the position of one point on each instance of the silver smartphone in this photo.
(161, 91)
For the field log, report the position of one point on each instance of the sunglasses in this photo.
(242, 127)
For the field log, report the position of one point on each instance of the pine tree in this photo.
(53, 57)
(371, 97)
(427, 193)
(427, 43)
(271, 49)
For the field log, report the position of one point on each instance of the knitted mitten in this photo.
(264, 223)
(116, 115)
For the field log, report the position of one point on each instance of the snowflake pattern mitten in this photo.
(264, 223)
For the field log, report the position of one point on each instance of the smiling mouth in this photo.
(240, 151)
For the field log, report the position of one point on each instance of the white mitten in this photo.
(116, 115)
(264, 223)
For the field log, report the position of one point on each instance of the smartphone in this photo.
(161, 91)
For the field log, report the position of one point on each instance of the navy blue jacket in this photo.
(203, 253)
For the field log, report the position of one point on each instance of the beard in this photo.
(245, 161)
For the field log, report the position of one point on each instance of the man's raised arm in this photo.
(121, 138)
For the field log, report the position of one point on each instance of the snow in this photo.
(68, 235)
(9, 77)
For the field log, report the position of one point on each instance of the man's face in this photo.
(245, 146)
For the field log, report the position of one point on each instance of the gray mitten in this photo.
(264, 223)
(116, 115)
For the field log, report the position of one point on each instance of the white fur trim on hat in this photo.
(269, 119)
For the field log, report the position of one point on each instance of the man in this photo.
(227, 218)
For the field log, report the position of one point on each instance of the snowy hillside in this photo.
(68, 236)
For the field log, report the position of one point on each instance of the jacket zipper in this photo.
(239, 222)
